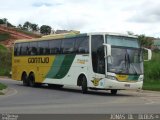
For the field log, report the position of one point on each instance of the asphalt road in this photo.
(69, 100)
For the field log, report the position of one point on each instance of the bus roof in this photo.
(53, 36)
(72, 34)
(112, 33)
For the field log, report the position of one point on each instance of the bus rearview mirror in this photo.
(108, 49)
(149, 54)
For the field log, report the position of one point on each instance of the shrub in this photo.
(4, 36)
(152, 68)
(5, 61)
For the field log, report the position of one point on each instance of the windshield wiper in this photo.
(127, 61)
(132, 66)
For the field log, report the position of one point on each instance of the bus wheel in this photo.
(25, 80)
(32, 80)
(84, 85)
(113, 92)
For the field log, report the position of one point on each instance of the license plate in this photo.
(127, 85)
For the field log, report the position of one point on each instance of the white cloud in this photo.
(138, 16)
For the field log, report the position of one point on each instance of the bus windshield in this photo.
(125, 61)
(126, 56)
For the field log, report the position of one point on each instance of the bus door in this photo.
(98, 60)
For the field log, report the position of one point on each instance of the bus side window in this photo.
(54, 46)
(19, 49)
(82, 45)
(68, 46)
(43, 48)
(25, 48)
(33, 48)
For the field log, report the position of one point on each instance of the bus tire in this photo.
(113, 92)
(31, 80)
(84, 85)
(24, 79)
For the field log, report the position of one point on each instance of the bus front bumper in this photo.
(113, 84)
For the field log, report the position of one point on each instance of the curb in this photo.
(4, 77)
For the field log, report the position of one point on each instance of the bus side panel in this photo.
(42, 67)
(59, 69)
(79, 66)
(66, 69)
(19, 65)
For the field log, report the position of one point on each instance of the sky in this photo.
(120, 16)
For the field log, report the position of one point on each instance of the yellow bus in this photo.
(101, 61)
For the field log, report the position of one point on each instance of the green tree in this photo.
(27, 25)
(30, 26)
(5, 21)
(45, 29)
(1, 21)
(145, 41)
(20, 26)
(34, 27)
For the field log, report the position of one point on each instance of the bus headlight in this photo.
(111, 77)
(140, 79)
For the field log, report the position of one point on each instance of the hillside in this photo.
(9, 34)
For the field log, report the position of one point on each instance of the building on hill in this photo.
(65, 31)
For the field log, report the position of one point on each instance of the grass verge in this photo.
(151, 85)
(152, 73)
(2, 86)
